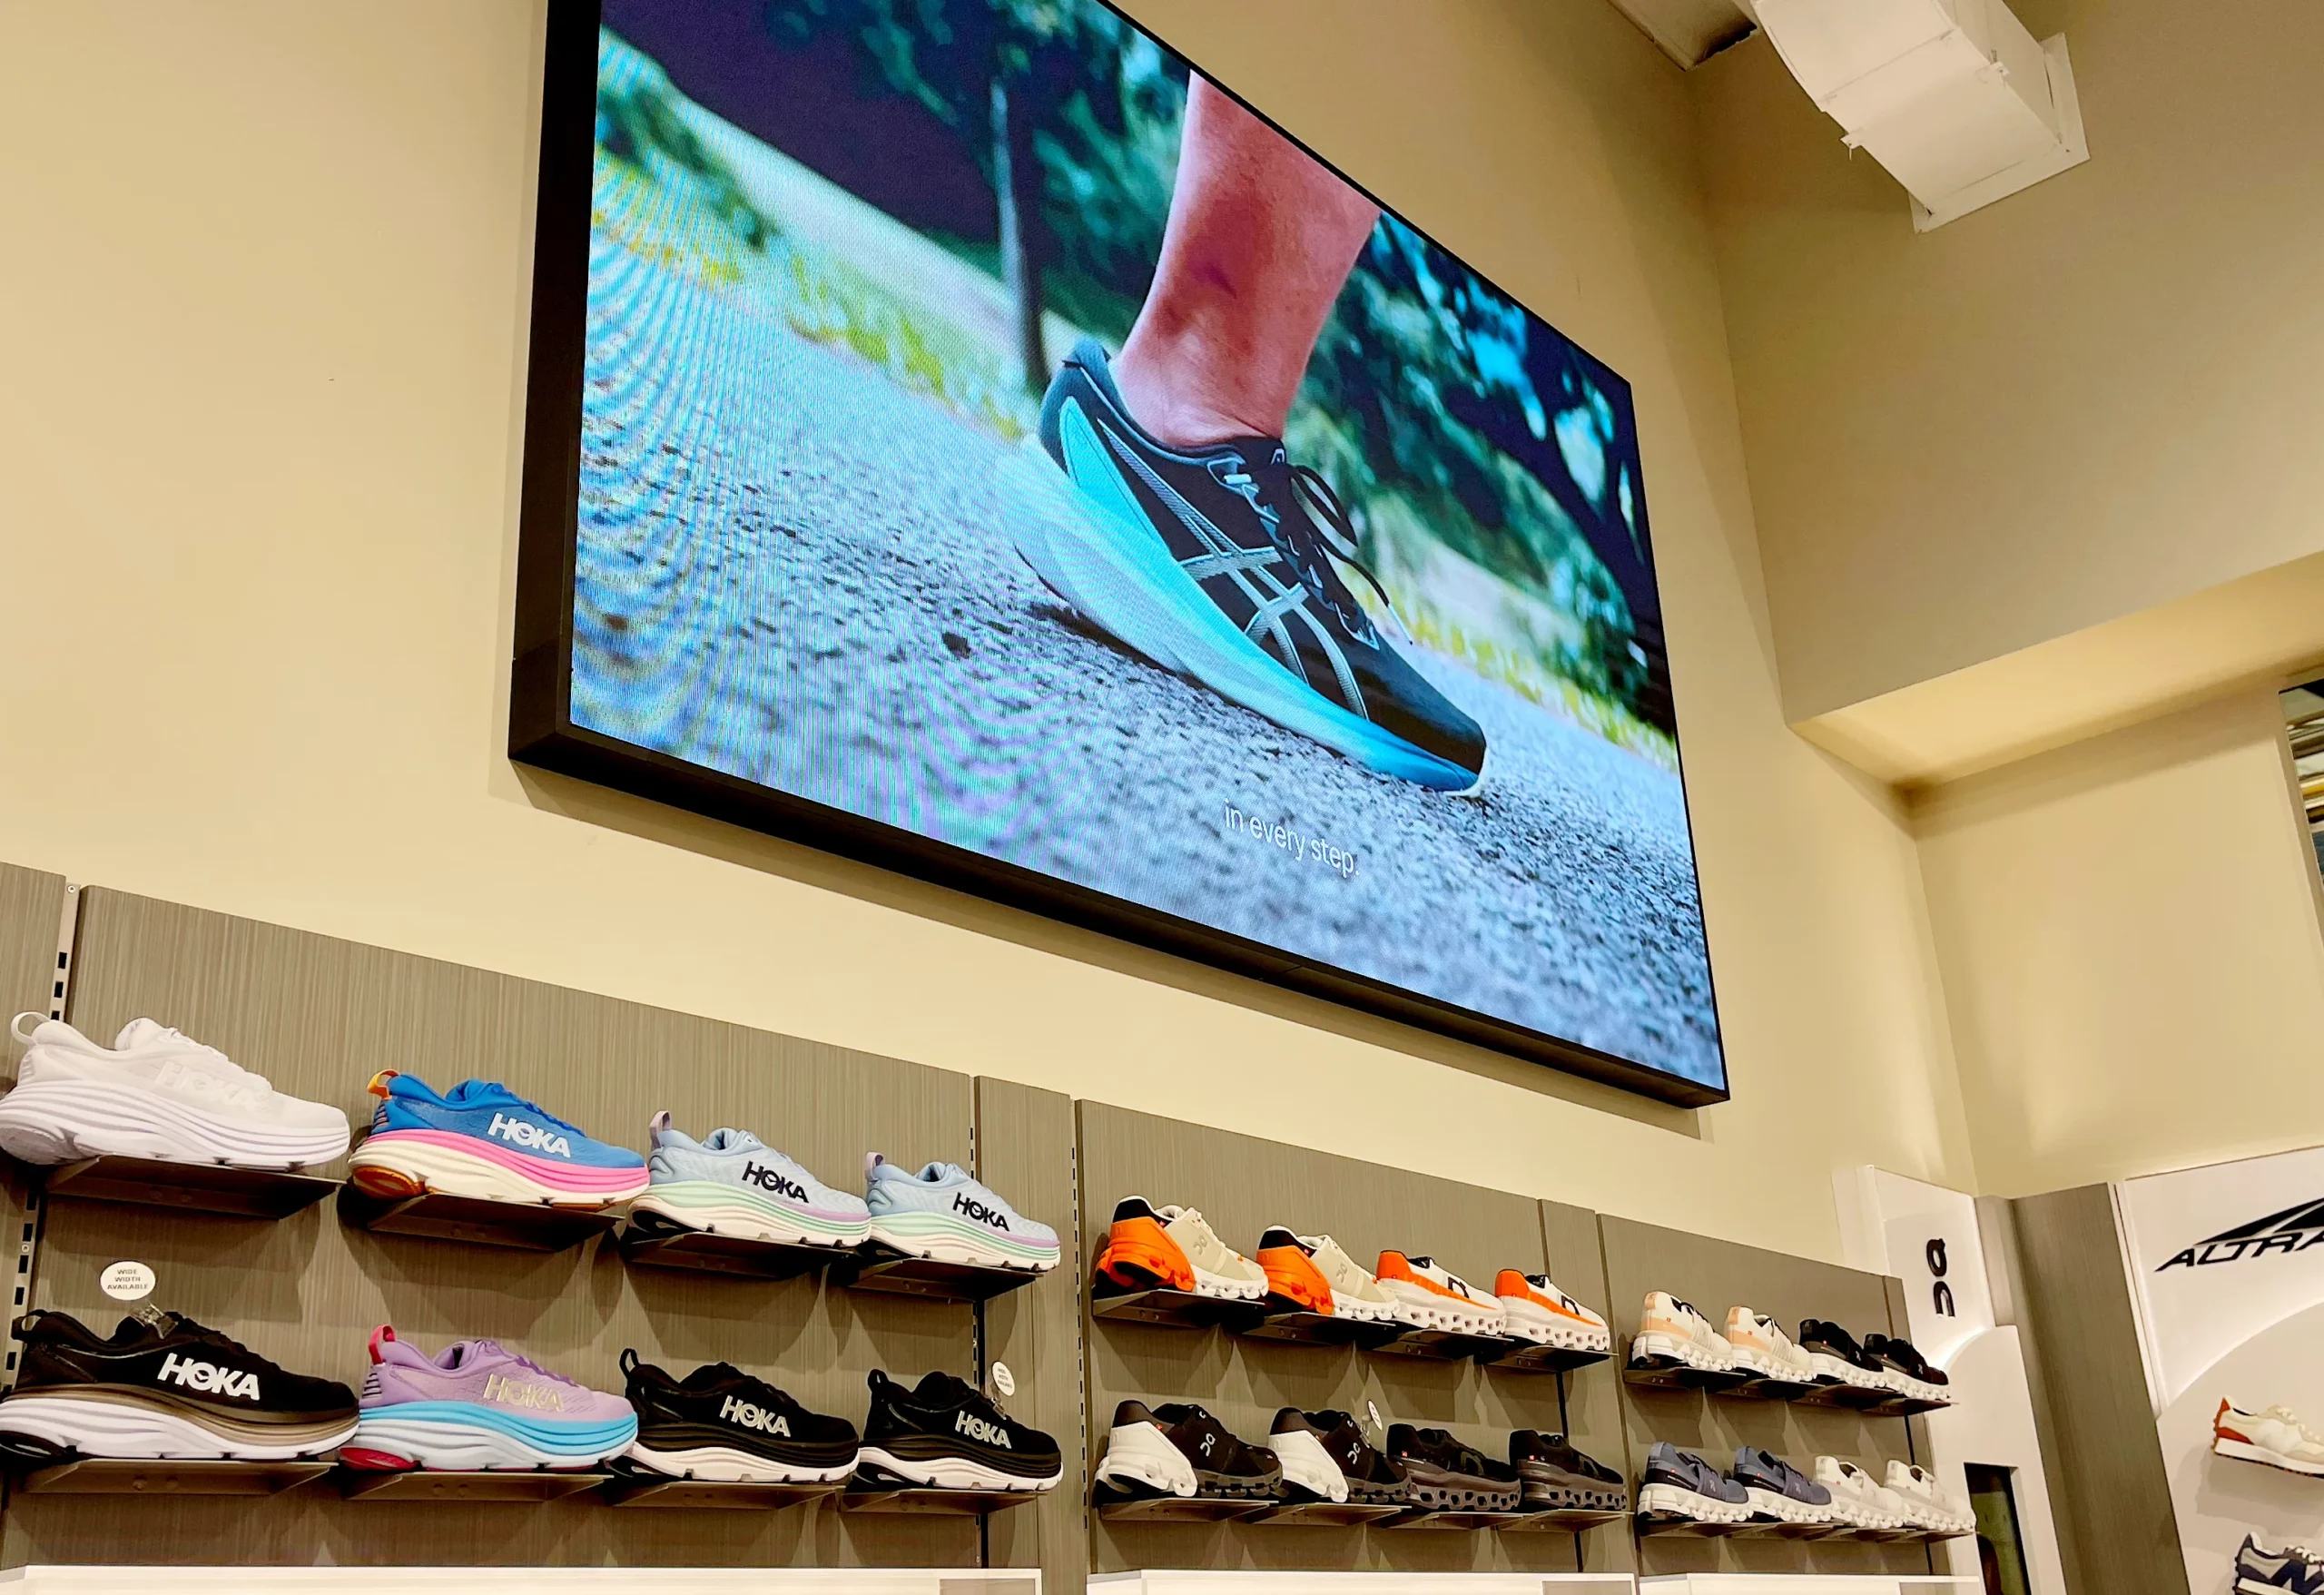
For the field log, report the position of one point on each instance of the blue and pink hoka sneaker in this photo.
(482, 1140)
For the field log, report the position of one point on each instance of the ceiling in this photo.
(1691, 32)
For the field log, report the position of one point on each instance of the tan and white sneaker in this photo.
(1220, 1270)
(1762, 1347)
(1858, 1500)
(1669, 1328)
(1929, 1504)
(2275, 1437)
(1428, 1296)
(1356, 1295)
(1540, 1312)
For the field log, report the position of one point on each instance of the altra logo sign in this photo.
(518, 1132)
(983, 1431)
(751, 1416)
(2295, 1229)
(773, 1179)
(980, 1211)
(207, 1376)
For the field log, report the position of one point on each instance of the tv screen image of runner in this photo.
(963, 436)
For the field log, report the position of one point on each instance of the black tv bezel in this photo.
(542, 734)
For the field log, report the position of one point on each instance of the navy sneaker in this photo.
(1213, 563)
(1680, 1485)
(2270, 1572)
(1779, 1492)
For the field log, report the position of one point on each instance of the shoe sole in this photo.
(48, 1122)
(1832, 1369)
(1442, 1489)
(723, 1209)
(1777, 1507)
(1752, 1360)
(941, 1237)
(1424, 1308)
(1306, 1463)
(1553, 1489)
(1092, 545)
(1143, 1454)
(401, 1163)
(955, 1472)
(1530, 1321)
(1675, 1500)
(1679, 1348)
(465, 1437)
(724, 1464)
(120, 1425)
(2244, 1451)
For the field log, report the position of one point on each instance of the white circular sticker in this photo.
(1372, 1407)
(1003, 1379)
(127, 1282)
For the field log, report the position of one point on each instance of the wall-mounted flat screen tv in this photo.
(965, 437)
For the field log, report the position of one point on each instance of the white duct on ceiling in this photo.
(1954, 97)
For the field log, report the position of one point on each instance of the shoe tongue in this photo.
(469, 1091)
(136, 1032)
(938, 1388)
(732, 1140)
(711, 1374)
(937, 1173)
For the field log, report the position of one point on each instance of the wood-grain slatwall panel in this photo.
(32, 908)
(319, 1017)
(1593, 1395)
(1716, 1275)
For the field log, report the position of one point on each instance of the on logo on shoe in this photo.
(978, 1211)
(773, 1179)
(519, 1132)
(983, 1431)
(189, 1374)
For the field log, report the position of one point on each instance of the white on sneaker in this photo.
(1856, 1500)
(1220, 1270)
(2275, 1437)
(1673, 1329)
(1762, 1347)
(154, 1093)
(1929, 1504)
(1356, 1296)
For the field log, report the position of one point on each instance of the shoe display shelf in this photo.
(1524, 1521)
(860, 1497)
(1135, 1506)
(187, 1188)
(648, 1240)
(1322, 1581)
(1185, 1310)
(1657, 1524)
(1742, 1384)
(527, 1226)
(1326, 1514)
(631, 1485)
(499, 1484)
(877, 1267)
(67, 1474)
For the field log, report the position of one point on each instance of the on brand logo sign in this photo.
(1940, 1291)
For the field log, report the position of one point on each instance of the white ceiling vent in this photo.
(1954, 97)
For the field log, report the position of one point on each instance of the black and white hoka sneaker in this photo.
(1212, 562)
(720, 1423)
(944, 1434)
(163, 1386)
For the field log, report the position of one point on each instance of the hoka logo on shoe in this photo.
(980, 1212)
(518, 1393)
(2295, 1229)
(755, 1417)
(208, 1377)
(773, 1179)
(983, 1431)
(517, 1132)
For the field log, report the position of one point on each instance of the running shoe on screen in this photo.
(1212, 562)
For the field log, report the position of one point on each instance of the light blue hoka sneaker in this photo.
(732, 1182)
(941, 1212)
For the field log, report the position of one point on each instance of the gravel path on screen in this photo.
(794, 571)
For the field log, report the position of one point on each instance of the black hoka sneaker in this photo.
(1908, 1372)
(1450, 1476)
(1212, 562)
(1838, 1359)
(1373, 1478)
(1557, 1478)
(163, 1386)
(720, 1423)
(946, 1434)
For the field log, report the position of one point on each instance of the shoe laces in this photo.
(1326, 528)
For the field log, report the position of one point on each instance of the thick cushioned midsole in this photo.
(464, 1165)
(119, 1429)
(1530, 1321)
(2245, 1450)
(727, 1464)
(953, 1473)
(1773, 1504)
(1425, 1308)
(458, 1435)
(61, 1119)
(1142, 1453)
(1680, 1501)
(933, 1233)
(1679, 1348)
(702, 1204)
(1308, 1464)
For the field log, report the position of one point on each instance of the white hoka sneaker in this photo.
(1220, 1270)
(157, 1094)
(1856, 1498)
(1540, 1312)
(1762, 1347)
(1356, 1295)
(1428, 1296)
(2275, 1437)
(1670, 1328)
(1929, 1504)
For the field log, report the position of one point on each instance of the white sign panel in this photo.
(2220, 1254)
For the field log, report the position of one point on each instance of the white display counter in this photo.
(520, 1580)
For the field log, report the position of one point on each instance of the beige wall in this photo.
(2132, 953)
(263, 315)
(2090, 398)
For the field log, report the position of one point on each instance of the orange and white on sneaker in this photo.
(1429, 1296)
(1538, 1311)
(1174, 1249)
(1762, 1347)
(1294, 1282)
(1672, 1330)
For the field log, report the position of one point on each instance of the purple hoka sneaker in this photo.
(478, 1404)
